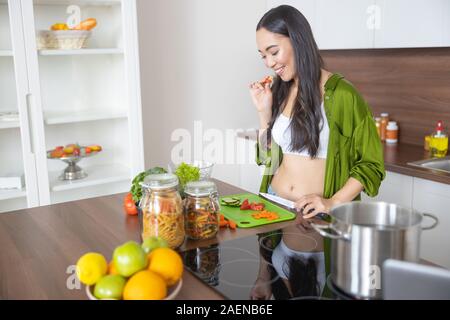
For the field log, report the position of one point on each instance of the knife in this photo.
(287, 203)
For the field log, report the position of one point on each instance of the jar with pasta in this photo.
(201, 210)
(162, 209)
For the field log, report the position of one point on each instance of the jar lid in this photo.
(160, 181)
(384, 114)
(200, 188)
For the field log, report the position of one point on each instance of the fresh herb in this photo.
(136, 189)
(187, 173)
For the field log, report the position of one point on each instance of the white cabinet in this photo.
(85, 96)
(353, 24)
(344, 24)
(336, 24)
(413, 23)
(434, 197)
(395, 188)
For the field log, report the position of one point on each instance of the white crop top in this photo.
(281, 134)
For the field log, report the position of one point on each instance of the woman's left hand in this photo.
(313, 204)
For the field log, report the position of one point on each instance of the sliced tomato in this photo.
(245, 205)
(257, 206)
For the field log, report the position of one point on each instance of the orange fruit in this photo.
(145, 285)
(112, 268)
(167, 263)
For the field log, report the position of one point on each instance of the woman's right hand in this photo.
(262, 98)
(261, 290)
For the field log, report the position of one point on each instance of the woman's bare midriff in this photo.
(298, 176)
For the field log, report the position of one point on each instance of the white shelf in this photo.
(58, 52)
(6, 194)
(78, 2)
(6, 53)
(97, 175)
(55, 117)
(9, 124)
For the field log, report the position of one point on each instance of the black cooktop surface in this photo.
(232, 268)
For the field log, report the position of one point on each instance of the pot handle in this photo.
(432, 216)
(320, 228)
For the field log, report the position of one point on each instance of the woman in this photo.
(317, 139)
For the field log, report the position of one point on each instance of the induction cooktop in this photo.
(232, 267)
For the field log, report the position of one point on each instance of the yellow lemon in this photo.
(145, 285)
(91, 267)
(167, 263)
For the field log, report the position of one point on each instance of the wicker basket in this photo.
(62, 39)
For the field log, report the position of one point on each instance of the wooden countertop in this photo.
(396, 159)
(40, 244)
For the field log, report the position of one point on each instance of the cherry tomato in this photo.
(129, 205)
(130, 208)
(128, 197)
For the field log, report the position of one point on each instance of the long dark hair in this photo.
(306, 115)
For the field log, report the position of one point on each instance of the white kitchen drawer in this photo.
(395, 188)
(434, 197)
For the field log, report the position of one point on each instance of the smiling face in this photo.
(277, 52)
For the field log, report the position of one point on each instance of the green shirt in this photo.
(354, 147)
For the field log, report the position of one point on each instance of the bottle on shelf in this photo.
(439, 141)
(383, 125)
(426, 143)
(392, 132)
(378, 125)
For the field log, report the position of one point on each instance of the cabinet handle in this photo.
(432, 216)
(29, 101)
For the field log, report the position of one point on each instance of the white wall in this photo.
(197, 59)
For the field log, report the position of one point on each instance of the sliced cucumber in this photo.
(231, 201)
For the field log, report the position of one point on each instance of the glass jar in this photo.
(383, 125)
(201, 210)
(378, 125)
(392, 132)
(162, 209)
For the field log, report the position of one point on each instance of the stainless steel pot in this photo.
(364, 235)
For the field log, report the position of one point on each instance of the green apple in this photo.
(129, 258)
(152, 243)
(110, 287)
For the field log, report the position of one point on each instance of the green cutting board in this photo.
(244, 219)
